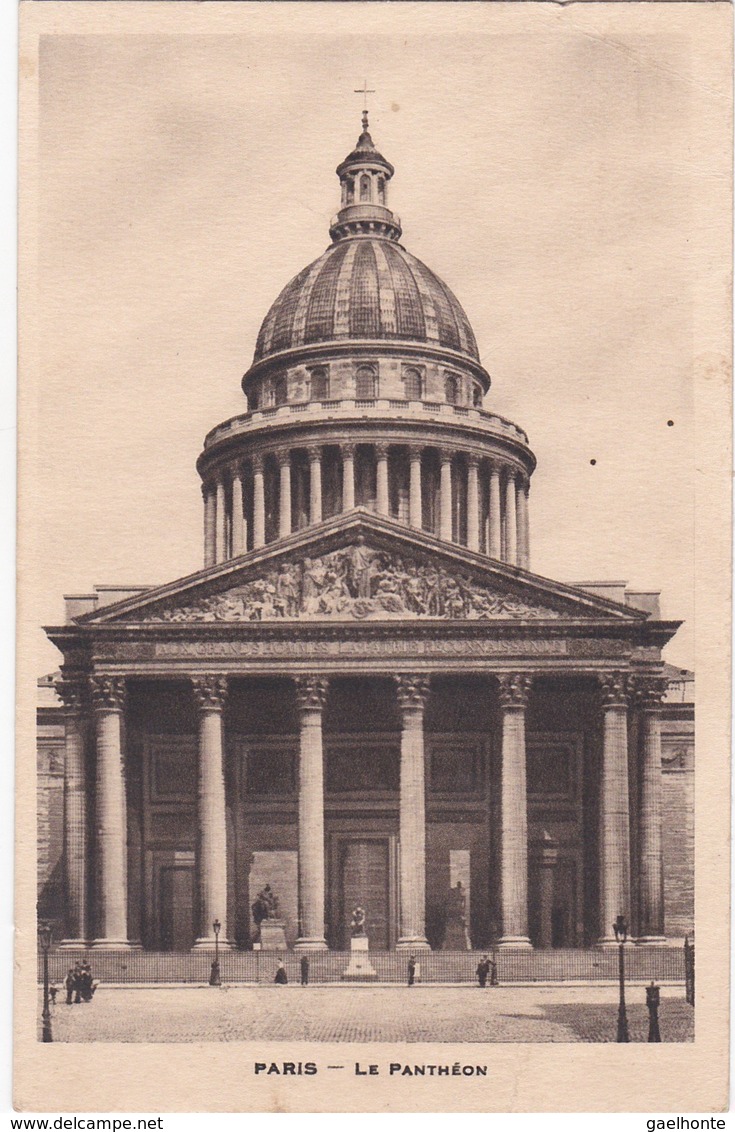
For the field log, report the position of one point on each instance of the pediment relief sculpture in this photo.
(361, 583)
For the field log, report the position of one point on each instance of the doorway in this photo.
(364, 871)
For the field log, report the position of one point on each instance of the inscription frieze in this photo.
(170, 650)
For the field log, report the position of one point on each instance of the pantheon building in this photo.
(365, 695)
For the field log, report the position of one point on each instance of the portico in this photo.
(324, 753)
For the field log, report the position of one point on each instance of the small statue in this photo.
(265, 906)
(357, 926)
(457, 909)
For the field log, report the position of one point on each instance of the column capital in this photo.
(415, 451)
(614, 689)
(311, 692)
(446, 455)
(108, 692)
(348, 449)
(412, 692)
(283, 457)
(647, 692)
(381, 450)
(314, 452)
(473, 459)
(514, 689)
(495, 467)
(73, 692)
(210, 691)
(256, 462)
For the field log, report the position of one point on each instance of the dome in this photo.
(366, 288)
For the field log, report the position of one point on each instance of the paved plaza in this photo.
(367, 1014)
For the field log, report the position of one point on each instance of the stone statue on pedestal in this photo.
(456, 936)
(357, 926)
(265, 909)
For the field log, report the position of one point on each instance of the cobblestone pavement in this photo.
(365, 1014)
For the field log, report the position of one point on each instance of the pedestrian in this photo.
(411, 970)
(77, 983)
(281, 977)
(493, 973)
(52, 992)
(69, 984)
(483, 970)
(85, 983)
(304, 971)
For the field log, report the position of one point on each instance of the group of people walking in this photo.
(79, 985)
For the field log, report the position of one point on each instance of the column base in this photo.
(515, 942)
(413, 943)
(310, 943)
(73, 945)
(206, 943)
(651, 941)
(105, 944)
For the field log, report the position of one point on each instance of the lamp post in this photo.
(44, 938)
(620, 927)
(215, 980)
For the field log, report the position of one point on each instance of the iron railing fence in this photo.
(259, 967)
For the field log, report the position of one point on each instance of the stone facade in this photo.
(365, 693)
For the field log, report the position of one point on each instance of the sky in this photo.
(548, 176)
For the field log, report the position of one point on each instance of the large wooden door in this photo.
(365, 881)
(176, 908)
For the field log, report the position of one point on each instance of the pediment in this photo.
(360, 568)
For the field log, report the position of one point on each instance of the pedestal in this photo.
(272, 935)
(456, 937)
(359, 969)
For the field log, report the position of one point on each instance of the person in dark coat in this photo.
(304, 971)
(85, 983)
(281, 977)
(483, 970)
(69, 984)
(411, 970)
(493, 973)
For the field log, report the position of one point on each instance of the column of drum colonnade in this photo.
(505, 517)
(107, 698)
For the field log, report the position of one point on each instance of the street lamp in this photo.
(44, 938)
(215, 979)
(620, 927)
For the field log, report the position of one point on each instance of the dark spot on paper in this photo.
(593, 462)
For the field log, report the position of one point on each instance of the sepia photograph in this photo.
(358, 498)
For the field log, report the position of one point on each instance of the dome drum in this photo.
(368, 373)
(457, 494)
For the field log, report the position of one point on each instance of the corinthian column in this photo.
(238, 517)
(445, 495)
(514, 691)
(347, 452)
(414, 490)
(649, 694)
(315, 484)
(522, 523)
(210, 692)
(494, 507)
(473, 503)
(258, 503)
(210, 525)
(284, 511)
(108, 697)
(221, 521)
(381, 479)
(311, 693)
(413, 692)
(511, 531)
(76, 926)
(614, 838)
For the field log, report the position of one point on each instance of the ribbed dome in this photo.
(365, 288)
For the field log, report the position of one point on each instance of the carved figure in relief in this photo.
(357, 582)
(265, 905)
